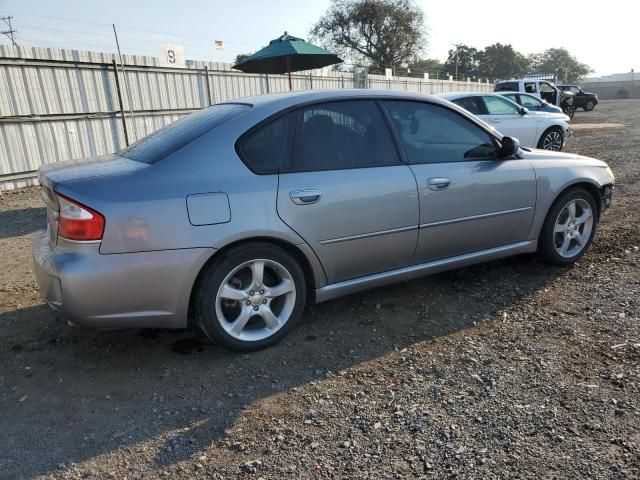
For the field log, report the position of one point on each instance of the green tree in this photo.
(379, 33)
(501, 61)
(430, 65)
(463, 59)
(241, 57)
(560, 62)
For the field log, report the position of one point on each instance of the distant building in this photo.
(616, 86)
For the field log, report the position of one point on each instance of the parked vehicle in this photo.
(531, 102)
(237, 216)
(548, 131)
(543, 89)
(585, 100)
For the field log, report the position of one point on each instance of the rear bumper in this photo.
(142, 289)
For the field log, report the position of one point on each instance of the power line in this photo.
(11, 32)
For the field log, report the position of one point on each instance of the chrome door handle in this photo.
(494, 120)
(305, 197)
(438, 183)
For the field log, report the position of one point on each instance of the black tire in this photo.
(547, 133)
(589, 106)
(569, 111)
(546, 243)
(217, 271)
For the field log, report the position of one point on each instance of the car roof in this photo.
(289, 99)
(455, 95)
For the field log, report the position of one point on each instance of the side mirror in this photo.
(510, 147)
(523, 110)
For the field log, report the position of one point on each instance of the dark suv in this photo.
(585, 100)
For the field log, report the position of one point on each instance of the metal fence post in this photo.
(124, 120)
(206, 77)
(266, 77)
(342, 81)
(310, 81)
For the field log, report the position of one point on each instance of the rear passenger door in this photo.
(346, 191)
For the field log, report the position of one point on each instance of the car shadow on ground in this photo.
(15, 223)
(72, 394)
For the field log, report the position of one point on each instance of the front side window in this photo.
(500, 106)
(435, 134)
(471, 104)
(342, 135)
(530, 102)
(266, 149)
(575, 90)
(546, 88)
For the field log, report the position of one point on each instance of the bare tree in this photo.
(382, 33)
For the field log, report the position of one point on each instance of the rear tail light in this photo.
(78, 222)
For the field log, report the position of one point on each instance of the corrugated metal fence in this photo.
(64, 104)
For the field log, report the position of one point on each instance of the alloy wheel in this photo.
(553, 141)
(255, 300)
(573, 228)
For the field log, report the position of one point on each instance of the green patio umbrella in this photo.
(287, 54)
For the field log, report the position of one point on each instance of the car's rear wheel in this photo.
(552, 139)
(589, 105)
(569, 228)
(251, 297)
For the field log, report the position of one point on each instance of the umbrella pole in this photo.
(288, 62)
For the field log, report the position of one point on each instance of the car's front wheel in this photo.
(552, 139)
(250, 297)
(569, 228)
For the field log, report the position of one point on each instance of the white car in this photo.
(548, 131)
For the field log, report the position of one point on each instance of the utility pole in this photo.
(11, 32)
(457, 45)
(126, 82)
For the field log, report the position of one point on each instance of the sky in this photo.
(600, 34)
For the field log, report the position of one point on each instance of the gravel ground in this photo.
(511, 369)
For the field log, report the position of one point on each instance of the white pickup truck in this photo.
(543, 89)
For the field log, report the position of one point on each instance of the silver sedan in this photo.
(237, 216)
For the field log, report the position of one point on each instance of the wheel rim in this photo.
(589, 105)
(552, 141)
(573, 228)
(255, 300)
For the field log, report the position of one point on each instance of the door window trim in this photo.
(494, 139)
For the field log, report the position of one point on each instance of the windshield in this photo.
(171, 138)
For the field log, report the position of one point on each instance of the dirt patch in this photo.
(510, 369)
(595, 126)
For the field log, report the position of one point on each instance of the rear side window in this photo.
(434, 134)
(266, 149)
(507, 87)
(530, 87)
(471, 104)
(176, 135)
(342, 135)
